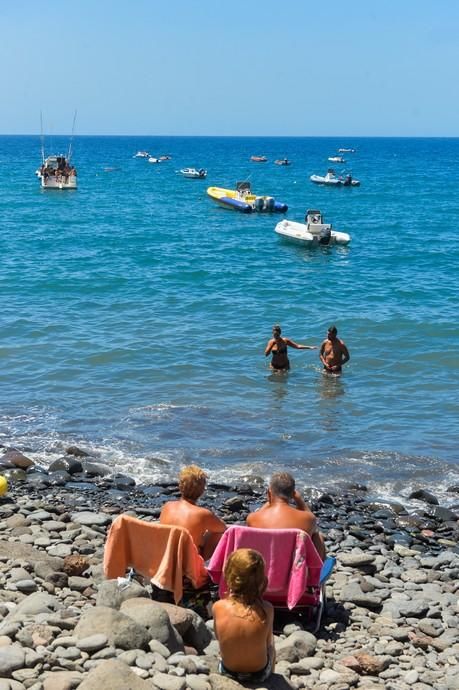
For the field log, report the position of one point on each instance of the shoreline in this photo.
(392, 599)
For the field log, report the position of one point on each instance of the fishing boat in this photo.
(57, 171)
(141, 154)
(331, 180)
(313, 232)
(243, 200)
(282, 161)
(336, 159)
(258, 159)
(193, 173)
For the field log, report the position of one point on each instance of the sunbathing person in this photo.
(204, 527)
(243, 622)
(279, 513)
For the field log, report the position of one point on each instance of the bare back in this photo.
(245, 634)
(282, 516)
(197, 520)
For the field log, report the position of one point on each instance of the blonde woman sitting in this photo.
(243, 621)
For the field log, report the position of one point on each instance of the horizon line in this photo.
(240, 136)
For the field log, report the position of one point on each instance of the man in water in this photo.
(286, 509)
(204, 527)
(333, 352)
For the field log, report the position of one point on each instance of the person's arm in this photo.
(269, 347)
(345, 356)
(270, 646)
(297, 346)
(212, 535)
(300, 502)
(321, 355)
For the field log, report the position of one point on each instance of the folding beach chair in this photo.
(296, 574)
(164, 554)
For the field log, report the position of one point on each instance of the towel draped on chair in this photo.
(164, 553)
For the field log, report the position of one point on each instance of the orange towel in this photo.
(164, 553)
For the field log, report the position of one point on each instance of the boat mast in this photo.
(42, 138)
(69, 154)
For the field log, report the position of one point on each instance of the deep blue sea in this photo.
(135, 312)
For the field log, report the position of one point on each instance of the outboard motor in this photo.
(259, 204)
(269, 204)
(325, 236)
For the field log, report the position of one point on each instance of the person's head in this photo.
(192, 482)
(245, 575)
(277, 331)
(332, 332)
(282, 485)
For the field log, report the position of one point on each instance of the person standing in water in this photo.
(277, 348)
(333, 352)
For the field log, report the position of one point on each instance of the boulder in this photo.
(164, 681)
(180, 617)
(296, 646)
(114, 675)
(110, 594)
(75, 564)
(120, 630)
(70, 465)
(62, 680)
(12, 657)
(219, 682)
(154, 618)
(423, 495)
(16, 458)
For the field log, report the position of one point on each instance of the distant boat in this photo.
(258, 159)
(193, 173)
(243, 200)
(336, 159)
(346, 150)
(152, 159)
(331, 180)
(164, 158)
(282, 161)
(57, 171)
(312, 232)
(141, 154)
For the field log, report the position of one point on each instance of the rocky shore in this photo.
(391, 621)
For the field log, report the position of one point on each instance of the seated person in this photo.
(243, 622)
(204, 527)
(278, 513)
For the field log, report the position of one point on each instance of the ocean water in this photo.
(135, 312)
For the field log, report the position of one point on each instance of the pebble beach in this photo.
(392, 609)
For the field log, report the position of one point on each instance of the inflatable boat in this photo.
(243, 200)
(331, 180)
(312, 232)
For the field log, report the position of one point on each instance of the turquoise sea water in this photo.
(135, 312)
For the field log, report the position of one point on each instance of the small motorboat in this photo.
(346, 150)
(331, 180)
(243, 200)
(193, 173)
(258, 159)
(164, 158)
(141, 154)
(336, 159)
(282, 161)
(57, 172)
(313, 232)
(152, 159)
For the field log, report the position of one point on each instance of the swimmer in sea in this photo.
(333, 352)
(277, 348)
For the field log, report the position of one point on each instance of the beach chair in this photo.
(164, 554)
(296, 574)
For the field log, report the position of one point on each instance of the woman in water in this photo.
(277, 348)
(243, 621)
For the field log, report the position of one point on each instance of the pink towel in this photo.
(292, 562)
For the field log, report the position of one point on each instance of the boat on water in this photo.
(282, 161)
(313, 232)
(56, 172)
(141, 154)
(152, 159)
(331, 180)
(194, 173)
(243, 200)
(164, 158)
(346, 150)
(336, 159)
(258, 159)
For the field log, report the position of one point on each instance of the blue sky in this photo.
(262, 67)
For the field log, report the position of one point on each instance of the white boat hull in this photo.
(53, 182)
(311, 234)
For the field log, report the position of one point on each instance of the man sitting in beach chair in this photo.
(203, 525)
(286, 509)
(165, 554)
